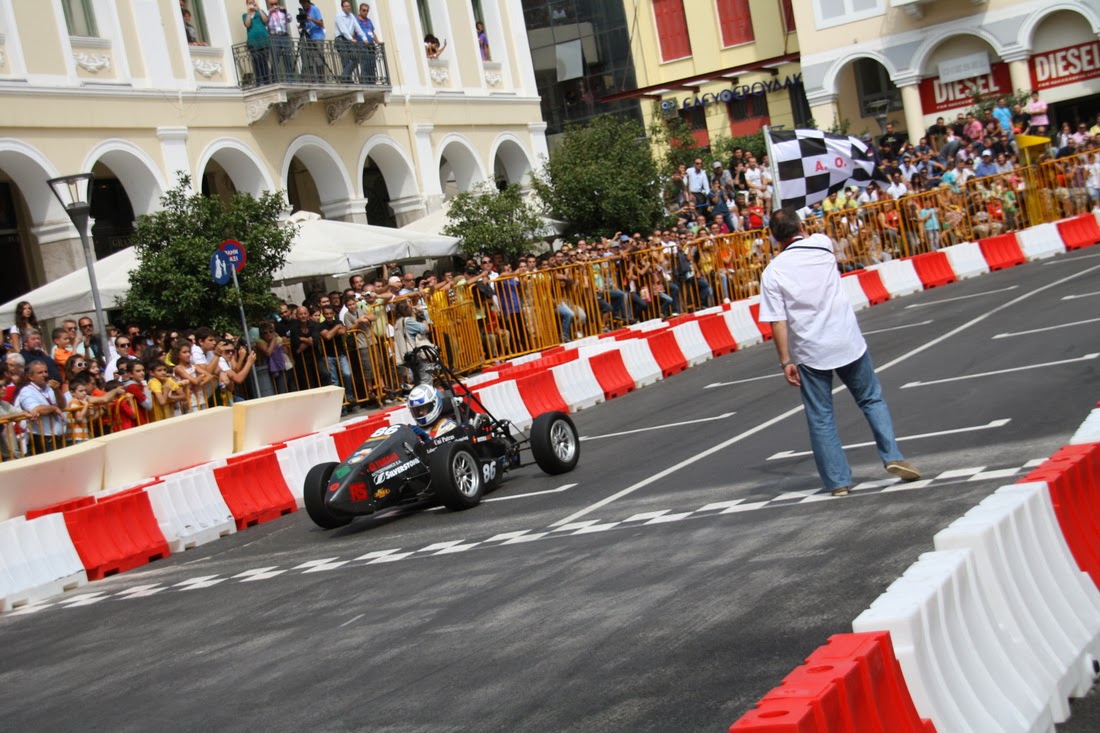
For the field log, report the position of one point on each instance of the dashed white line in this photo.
(898, 328)
(1045, 328)
(988, 426)
(1086, 357)
(1079, 296)
(723, 416)
(743, 381)
(962, 297)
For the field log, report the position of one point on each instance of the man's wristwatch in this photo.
(785, 364)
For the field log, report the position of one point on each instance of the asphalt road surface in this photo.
(678, 574)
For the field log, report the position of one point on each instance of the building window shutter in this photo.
(672, 31)
(788, 16)
(735, 19)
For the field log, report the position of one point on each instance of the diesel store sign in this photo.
(1065, 65)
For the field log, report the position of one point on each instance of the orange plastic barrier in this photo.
(1002, 251)
(934, 269)
(611, 373)
(718, 335)
(117, 534)
(1073, 476)
(1080, 231)
(255, 490)
(851, 684)
(540, 393)
(667, 353)
(765, 328)
(871, 282)
(60, 507)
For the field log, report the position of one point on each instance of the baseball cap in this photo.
(986, 152)
(395, 280)
(624, 238)
(717, 164)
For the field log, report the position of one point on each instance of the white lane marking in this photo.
(670, 518)
(723, 416)
(441, 545)
(795, 410)
(1047, 328)
(898, 328)
(1081, 295)
(960, 473)
(1063, 260)
(999, 473)
(532, 493)
(376, 554)
(1086, 357)
(988, 426)
(962, 297)
(351, 621)
(743, 381)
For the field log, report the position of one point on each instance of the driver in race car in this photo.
(430, 410)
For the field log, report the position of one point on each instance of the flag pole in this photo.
(776, 201)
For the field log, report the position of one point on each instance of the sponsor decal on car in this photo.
(387, 473)
(357, 458)
(359, 491)
(381, 493)
(382, 462)
(334, 486)
(341, 472)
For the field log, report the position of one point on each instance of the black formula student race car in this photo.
(453, 455)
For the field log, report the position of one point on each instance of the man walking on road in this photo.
(816, 333)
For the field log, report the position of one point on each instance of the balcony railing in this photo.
(295, 62)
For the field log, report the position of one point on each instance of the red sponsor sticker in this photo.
(382, 462)
(334, 486)
(359, 492)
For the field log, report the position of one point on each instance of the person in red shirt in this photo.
(138, 411)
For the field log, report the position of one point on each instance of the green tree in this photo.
(490, 221)
(602, 178)
(171, 286)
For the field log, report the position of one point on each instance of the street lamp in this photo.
(75, 194)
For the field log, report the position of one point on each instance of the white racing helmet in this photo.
(424, 404)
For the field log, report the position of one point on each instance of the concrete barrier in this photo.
(50, 478)
(257, 423)
(166, 446)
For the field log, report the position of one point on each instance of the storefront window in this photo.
(877, 93)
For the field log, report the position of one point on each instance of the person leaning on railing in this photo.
(38, 396)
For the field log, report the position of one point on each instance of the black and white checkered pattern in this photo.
(812, 164)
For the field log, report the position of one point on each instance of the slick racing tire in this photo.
(457, 477)
(316, 485)
(554, 443)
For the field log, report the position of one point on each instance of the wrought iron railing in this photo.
(311, 63)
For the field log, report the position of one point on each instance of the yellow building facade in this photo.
(911, 61)
(727, 67)
(115, 88)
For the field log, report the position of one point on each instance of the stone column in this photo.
(823, 109)
(352, 210)
(538, 144)
(429, 171)
(1018, 70)
(408, 209)
(173, 147)
(914, 112)
(60, 248)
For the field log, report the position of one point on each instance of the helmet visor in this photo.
(419, 411)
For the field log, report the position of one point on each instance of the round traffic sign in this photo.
(234, 250)
(221, 269)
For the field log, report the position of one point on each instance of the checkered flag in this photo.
(812, 164)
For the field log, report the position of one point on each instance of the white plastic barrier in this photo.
(856, 296)
(587, 352)
(1089, 432)
(966, 260)
(944, 639)
(577, 384)
(900, 277)
(693, 344)
(37, 560)
(1036, 593)
(525, 358)
(504, 402)
(640, 362)
(713, 310)
(481, 378)
(189, 507)
(742, 326)
(299, 456)
(1039, 241)
(38, 481)
(653, 324)
(586, 341)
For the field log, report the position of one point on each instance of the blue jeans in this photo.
(345, 371)
(817, 397)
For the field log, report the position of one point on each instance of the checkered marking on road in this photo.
(587, 526)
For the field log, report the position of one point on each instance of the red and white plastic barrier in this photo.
(37, 560)
(1041, 241)
(899, 277)
(966, 260)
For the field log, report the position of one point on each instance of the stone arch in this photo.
(324, 165)
(838, 66)
(396, 166)
(1032, 22)
(29, 169)
(457, 157)
(136, 171)
(514, 159)
(932, 43)
(243, 166)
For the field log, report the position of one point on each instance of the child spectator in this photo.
(190, 377)
(79, 411)
(62, 347)
(135, 412)
(167, 393)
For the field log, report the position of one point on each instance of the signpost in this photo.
(225, 263)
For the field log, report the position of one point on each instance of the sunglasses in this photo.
(124, 343)
(79, 364)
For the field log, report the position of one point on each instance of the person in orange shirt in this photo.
(62, 346)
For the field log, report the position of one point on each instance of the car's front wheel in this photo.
(316, 484)
(457, 477)
(554, 443)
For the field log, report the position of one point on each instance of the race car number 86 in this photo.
(382, 432)
(489, 471)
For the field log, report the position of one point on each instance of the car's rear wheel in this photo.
(554, 443)
(457, 477)
(316, 485)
